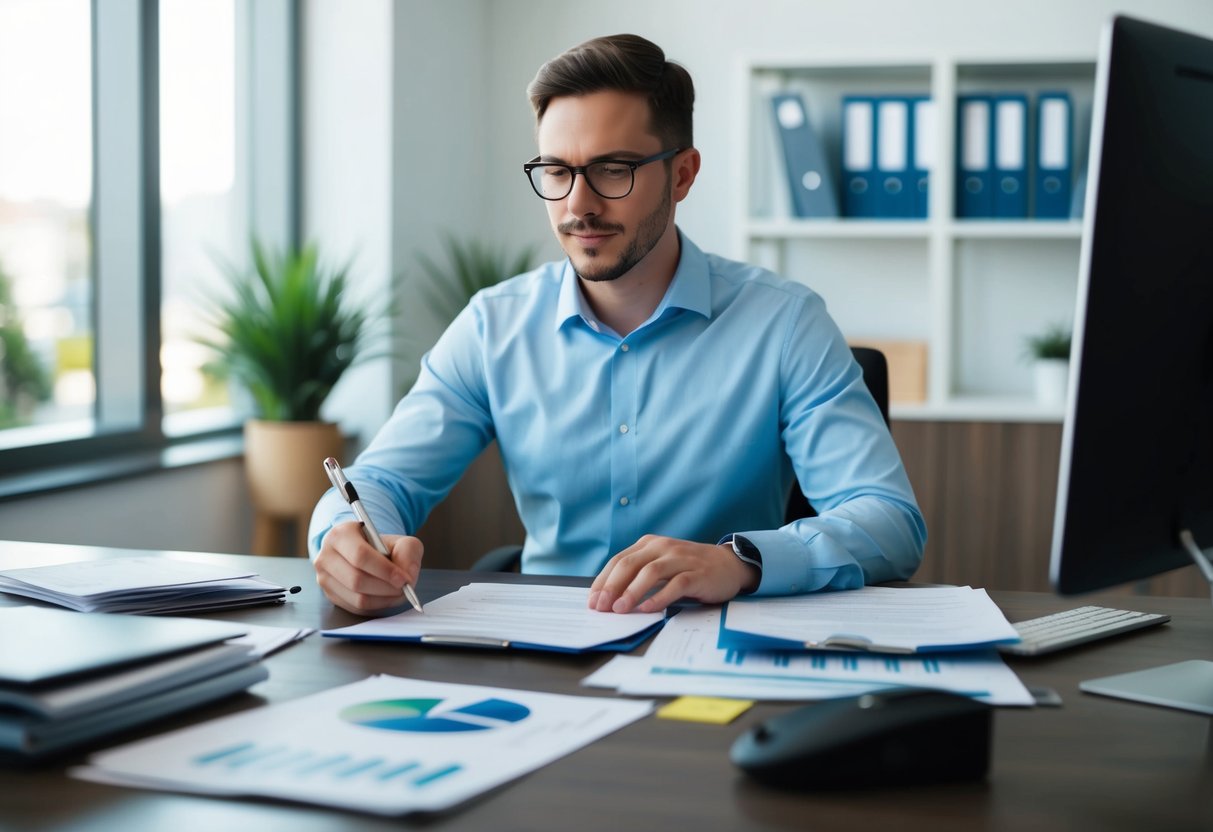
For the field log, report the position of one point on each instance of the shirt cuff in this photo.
(791, 566)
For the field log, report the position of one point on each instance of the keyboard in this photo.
(1062, 630)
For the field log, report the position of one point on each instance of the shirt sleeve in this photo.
(869, 527)
(435, 432)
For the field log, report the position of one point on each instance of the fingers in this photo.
(675, 568)
(357, 578)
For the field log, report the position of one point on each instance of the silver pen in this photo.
(337, 477)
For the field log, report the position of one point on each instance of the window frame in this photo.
(125, 223)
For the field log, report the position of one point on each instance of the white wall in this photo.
(710, 37)
(346, 58)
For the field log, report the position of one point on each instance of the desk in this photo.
(1096, 763)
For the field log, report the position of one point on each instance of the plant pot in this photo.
(283, 462)
(1051, 377)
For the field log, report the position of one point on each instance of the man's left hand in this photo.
(700, 571)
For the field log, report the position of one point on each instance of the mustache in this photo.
(593, 224)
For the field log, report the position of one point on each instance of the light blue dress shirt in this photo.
(692, 426)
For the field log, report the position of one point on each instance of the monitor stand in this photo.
(1185, 685)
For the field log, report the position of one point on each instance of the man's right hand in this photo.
(357, 578)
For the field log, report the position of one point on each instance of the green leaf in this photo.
(288, 331)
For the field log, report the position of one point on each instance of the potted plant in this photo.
(445, 288)
(286, 332)
(1050, 354)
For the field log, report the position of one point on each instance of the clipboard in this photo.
(989, 629)
(511, 616)
(478, 642)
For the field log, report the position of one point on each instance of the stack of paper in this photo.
(684, 660)
(67, 678)
(525, 616)
(385, 745)
(148, 585)
(875, 618)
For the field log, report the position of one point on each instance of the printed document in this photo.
(385, 745)
(684, 660)
(504, 615)
(876, 618)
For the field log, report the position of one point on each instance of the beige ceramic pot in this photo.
(283, 463)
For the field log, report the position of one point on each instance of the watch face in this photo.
(746, 550)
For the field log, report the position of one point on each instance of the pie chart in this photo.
(418, 715)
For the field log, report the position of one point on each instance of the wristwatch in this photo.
(745, 549)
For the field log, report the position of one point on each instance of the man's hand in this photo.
(355, 577)
(701, 571)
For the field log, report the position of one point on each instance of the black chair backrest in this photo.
(876, 376)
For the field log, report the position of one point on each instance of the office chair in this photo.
(875, 371)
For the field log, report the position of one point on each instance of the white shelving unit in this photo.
(971, 290)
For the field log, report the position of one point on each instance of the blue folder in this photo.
(1054, 156)
(1010, 157)
(858, 156)
(623, 645)
(738, 640)
(895, 181)
(922, 151)
(974, 149)
(809, 180)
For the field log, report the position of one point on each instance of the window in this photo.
(135, 141)
(204, 195)
(46, 179)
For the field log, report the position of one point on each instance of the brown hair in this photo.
(627, 63)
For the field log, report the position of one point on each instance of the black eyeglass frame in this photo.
(574, 170)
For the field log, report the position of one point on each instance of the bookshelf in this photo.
(969, 290)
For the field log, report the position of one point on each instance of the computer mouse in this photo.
(896, 736)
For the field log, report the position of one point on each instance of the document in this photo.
(145, 584)
(874, 618)
(684, 660)
(385, 745)
(527, 616)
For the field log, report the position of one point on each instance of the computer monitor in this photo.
(1135, 492)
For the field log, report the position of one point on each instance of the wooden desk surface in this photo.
(1094, 763)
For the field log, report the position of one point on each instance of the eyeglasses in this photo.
(609, 178)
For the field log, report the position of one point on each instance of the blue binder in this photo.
(808, 175)
(922, 152)
(858, 156)
(1054, 156)
(1010, 156)
(895, 182)
(974, 148)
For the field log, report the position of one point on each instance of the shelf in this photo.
(827, 229)
(1016, 229)
(809, 229)
(979, 409)
(970, 290)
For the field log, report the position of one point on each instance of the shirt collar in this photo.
(691, 289)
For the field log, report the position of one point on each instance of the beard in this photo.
(648, 232)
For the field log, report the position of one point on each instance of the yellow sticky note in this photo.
(705, 709)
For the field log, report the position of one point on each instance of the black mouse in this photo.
(897, 736)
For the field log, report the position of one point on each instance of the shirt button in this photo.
(623, 428)
(624, 347)
(623, 501)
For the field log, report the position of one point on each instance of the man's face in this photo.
(605, 238)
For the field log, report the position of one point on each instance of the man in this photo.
(652, 403)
